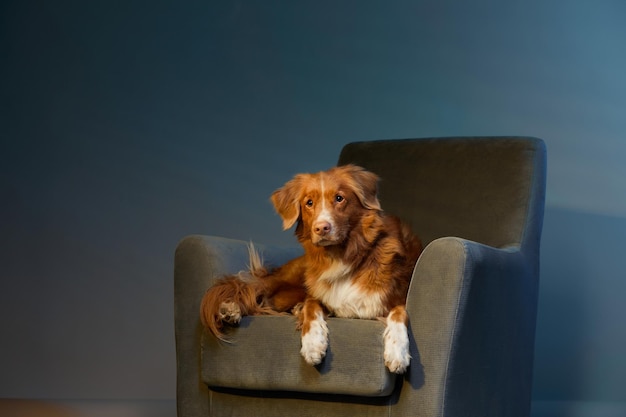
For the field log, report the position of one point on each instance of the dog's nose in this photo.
(321, 228)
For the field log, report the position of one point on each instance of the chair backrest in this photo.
(486, 189)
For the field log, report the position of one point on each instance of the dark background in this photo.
(126, 125)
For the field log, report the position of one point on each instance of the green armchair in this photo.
(477, 204)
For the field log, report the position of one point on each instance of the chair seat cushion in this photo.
(264, 354)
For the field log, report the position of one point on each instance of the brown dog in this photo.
(357, 263)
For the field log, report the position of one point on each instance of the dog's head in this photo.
(328, 204)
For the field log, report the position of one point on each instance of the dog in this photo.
(357, 263)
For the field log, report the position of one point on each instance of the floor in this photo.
(86, 408)
(578, 409)
(167, 408)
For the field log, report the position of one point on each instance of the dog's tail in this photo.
(235, 296)
(255, 268)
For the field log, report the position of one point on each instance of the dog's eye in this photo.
(309, 203)
(338, 198)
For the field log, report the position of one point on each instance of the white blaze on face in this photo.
(324, 214)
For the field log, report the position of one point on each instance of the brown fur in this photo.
(341, 226)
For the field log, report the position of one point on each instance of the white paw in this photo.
(315, 341)
(230, 312)
(397, 356)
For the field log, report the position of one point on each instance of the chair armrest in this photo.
(473, 312)
(199, 261)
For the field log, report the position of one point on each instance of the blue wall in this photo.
(127, 125)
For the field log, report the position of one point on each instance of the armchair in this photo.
(477, 204)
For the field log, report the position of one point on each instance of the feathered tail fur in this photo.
(235, 296)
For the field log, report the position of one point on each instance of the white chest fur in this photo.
(344, 297)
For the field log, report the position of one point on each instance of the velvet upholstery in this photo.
(477, 203)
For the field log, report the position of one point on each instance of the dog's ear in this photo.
(364, 184)
(286, 201)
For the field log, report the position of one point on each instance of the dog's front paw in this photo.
(396, 355)
(315, 341)
(230, 312)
